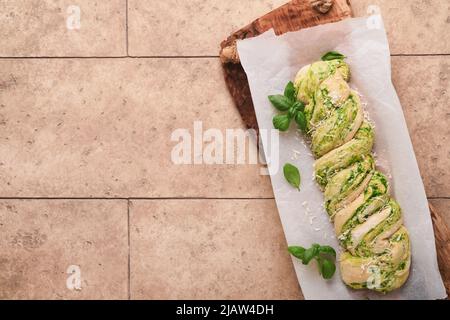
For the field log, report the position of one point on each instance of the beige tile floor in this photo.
(85, 123)
(42, 239)
(219, 249)
(33, 28)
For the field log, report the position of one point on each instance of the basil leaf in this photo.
(332, 55)
(281, 122)
(309, 254)
(292, 112)
(280, 102)
(297, 251)
(299, 106)
(300, 119)
(292, 175)
(327, 268)
(296, 107)
(289, 91)
(327, 250)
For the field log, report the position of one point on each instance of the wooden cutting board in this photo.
(293, 16)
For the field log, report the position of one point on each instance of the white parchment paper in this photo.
(270, 62)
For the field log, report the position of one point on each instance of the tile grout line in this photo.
(419, 54)
(129, 250)
(110, 57)
(136, 198)
(165, 198)
(183, 57)
(439, 198)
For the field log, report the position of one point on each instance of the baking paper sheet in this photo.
(270, 62)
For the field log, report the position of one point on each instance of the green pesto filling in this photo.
(343, 183)
(333, 131)
(344, 156)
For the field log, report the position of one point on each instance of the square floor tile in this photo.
(209, 249)
(194, 27)
(103, 128)
(62, 28)
(423, 85)
(413, 26)
(47, 244)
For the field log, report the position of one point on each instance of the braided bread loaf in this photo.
(367, 221)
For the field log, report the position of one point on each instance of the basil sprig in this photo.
(324, 255)
(292, 175)
(293, 109)
(332, 55)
